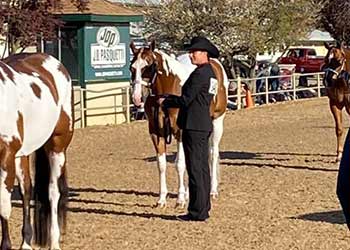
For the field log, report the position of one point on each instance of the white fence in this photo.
(312, 83)
(122, 104)
(119, 96)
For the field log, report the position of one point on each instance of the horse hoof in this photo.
(214, 196)
(55, 248)
(338, 158)
(180, 205)
(160, 204)
(26, 246)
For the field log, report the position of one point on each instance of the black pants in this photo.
(196, 148)
(343, 185)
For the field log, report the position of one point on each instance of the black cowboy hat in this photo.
(202, 43)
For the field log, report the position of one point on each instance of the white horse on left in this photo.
(154, 73)
(36, 117)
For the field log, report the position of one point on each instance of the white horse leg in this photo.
(5, 209)
(57, 162)
(181, 167)
(7, 181)
(23, 178)
(218, 128)
(163, 192)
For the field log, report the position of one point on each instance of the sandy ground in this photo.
(277, 190)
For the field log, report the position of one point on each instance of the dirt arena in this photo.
(278, 179)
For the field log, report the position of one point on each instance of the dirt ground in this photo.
(277, 189)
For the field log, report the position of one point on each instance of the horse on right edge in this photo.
(336, 80)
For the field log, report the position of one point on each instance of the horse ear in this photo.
(133, 48)
(153, 45)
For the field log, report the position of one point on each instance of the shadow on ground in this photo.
(333, 217)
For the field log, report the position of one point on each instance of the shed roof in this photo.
(98, 10)
(96, 7)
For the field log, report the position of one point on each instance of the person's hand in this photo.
(160, 100)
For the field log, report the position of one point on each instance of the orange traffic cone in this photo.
(248, 97)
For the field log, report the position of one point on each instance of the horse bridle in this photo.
(153, 73)
(338, 72)
(335, 71)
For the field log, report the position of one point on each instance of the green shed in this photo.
(94, 47)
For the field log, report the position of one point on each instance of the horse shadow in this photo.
(74, 197)
(121, 213)
(333, 217)
(170, 157)
(278, 159)
(238, 155)
(75, 192)
(241, 155)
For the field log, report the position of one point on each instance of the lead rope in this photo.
(167, 127)
(166, 124)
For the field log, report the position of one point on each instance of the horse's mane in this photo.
(171, 65)
(184, 69)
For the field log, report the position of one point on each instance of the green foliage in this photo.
(23, 22)
(236, 26)
(335, 18)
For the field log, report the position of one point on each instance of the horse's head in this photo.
(143, 69)
(334, 63)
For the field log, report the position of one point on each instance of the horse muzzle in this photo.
(137, 93)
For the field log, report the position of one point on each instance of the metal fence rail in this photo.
(80, 106)
(314, 83)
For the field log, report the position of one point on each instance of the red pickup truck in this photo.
(305, 60)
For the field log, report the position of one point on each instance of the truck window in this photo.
(311, 52)
(296, 53)
(299, 52)
(292, 53)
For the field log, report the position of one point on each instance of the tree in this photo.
(335, 18)
(238, 27)
(23, 22)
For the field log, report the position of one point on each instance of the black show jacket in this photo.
(194, 102)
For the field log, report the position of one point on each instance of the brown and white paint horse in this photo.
(163, 74)
(36, 116)
(337, 69)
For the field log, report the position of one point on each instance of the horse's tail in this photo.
(41, 197)
(219, 103)
(42, 211)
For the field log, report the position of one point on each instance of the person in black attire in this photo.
(343, 182)
(196, 124)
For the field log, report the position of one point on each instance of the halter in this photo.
(154, 73)
(336, 72)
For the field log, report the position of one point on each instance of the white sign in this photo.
(108, 57)
(213, 88)
(109, 73)
(108, 36)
